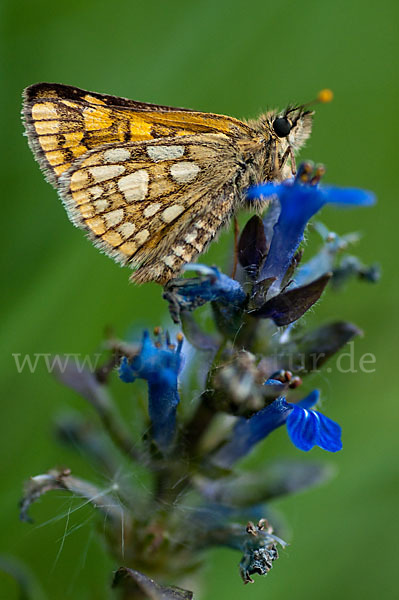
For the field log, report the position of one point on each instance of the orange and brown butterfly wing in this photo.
(63, 123)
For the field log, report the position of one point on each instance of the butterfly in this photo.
(152, 185)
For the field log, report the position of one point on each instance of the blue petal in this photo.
(162, 404)
(273, 382)
(349, 196)
(214, 286)
(302, 428)
(125, 372)
(329, 437)
(319, 265)
(158, 364)
(325, 259)
(308, 428)
(148, 349)
(299, 202)
(310, 400)
(271, 217)
(248, 432)
(264, 189)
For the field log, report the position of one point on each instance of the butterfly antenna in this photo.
(323, 97)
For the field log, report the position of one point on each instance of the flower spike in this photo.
(307, 428)
(300, 199)
(159, 364)
(210, 286)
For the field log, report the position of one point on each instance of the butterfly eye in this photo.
(282, 126)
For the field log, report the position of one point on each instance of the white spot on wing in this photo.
(106, 172)
(169, 260)
(159, 153)
(190, 237)
(101, 205)
(184, 171)
(200, 224)
(96, 191)
(45, 110)
(134, 186)
(142, 236)
(178, 250)
(116, 155)
(114, 217)
(170, 213)
(126, 229)
(46, 127)
(152, 209)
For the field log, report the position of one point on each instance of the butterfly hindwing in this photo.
(155, 204)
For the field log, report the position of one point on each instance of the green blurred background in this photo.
(59, 292)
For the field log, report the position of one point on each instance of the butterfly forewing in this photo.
(149, 203)
(63, 123)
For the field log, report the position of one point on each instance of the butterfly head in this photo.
(292, 127)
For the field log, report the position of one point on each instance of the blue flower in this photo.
(325, 259)
(300, 199)
(306, 428)
(159, 364)
(210, 286)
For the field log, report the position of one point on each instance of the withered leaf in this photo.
(252, 246)
(307, 353)
(287, 307)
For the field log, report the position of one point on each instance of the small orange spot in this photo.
(325, 95)
(96, 225)
(72, 139)
(128, 248)
(46, 127)
(78, 150)
(140, 129)
(44, 110)
(80, 197)
(94, 100)
(93, 159)
(61, 169)
(55, 158)
(79, 180)
(87, 210)
(70, 104)
(48, 143)
(95, 119)
(113, 238)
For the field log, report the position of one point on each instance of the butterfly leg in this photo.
(289, 153)
(274, 161)
(236, 234)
